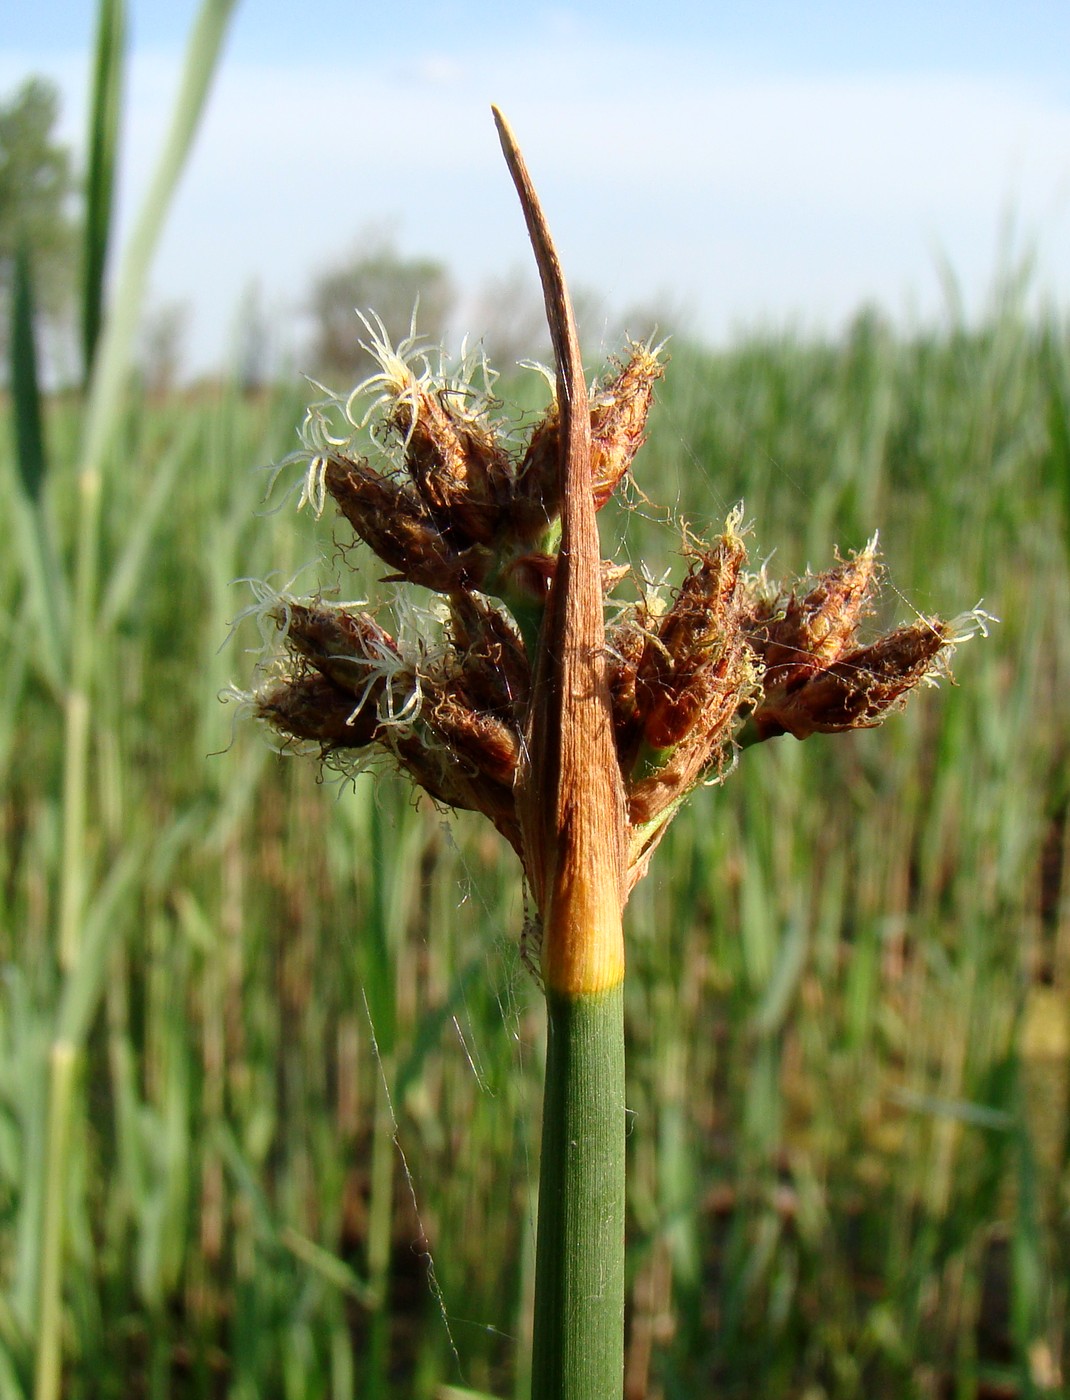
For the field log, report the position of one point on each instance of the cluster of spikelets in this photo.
(466, 510)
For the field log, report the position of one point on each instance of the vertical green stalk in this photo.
(44, 588)
(380, 1228)
(391, 870)
(106, 396)
(104, 408)
(25, 384)
(61, 1068)
(579, 1288)
(104, 116)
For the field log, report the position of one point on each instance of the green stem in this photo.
(578, 1351)
(380, 1228)
(61, 1067)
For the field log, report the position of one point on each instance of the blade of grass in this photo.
(106, 394)
(104, 114)
(39, 566)
(25, 383)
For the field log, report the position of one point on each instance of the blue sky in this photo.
(750, 164)
(1028, 37)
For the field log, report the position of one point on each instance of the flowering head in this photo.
(579, 742)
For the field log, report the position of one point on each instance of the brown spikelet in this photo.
(618, 420)
(859, 689)
(484, 741)
(312, 707)
(454, 784)
(346, 647)
(491, 656)
(798, 636)
(391, 520)
(626, 641)
(696, 652)
(537, 498)
(460, 470)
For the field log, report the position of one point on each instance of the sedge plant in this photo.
(578, 737)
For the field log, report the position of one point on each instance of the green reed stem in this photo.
(49, 1361)
(380, 1229)
(578, 1351)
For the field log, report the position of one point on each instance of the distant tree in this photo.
(163, 333)
(36, 195)
(509, 318)
(375, 278)
(254, 350)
